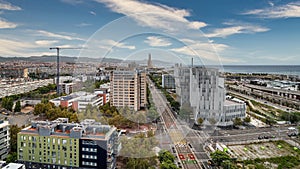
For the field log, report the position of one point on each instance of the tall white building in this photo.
(4, 139)
(203, 90)
(182, 83)
(206, 93)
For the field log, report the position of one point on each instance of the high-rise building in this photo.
(182, 83)
(128, 88)
(150, 65)
(206, 93)
(167, 81)
(4, 139)
(203, 90)
(59, 144)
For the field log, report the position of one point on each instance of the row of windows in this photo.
(89, 149)
(52, 160)
(49, 140)
(89, 156)
(89, 163)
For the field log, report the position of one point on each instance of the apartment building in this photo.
(203, 90)
(128, 88)
(207, 93)
(61, 145)
(4, 139)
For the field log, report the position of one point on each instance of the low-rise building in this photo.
(78, 100)
(60, 144)
(233, 108)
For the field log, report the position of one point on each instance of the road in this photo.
(173, 133)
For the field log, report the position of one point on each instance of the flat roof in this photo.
(13, 166)
(230, 102)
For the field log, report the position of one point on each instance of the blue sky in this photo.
(213, 32)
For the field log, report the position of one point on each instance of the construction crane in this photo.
(57, 78)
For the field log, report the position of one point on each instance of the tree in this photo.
(165, 156)
(227, 164)
(237, 121)
(200, 121)
(218, 157)
(185, 111)
(12, 157)
(7, 103)
(14, 130)
(165, 165)
(17, 106)
(247, 119)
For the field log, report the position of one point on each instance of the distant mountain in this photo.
(157, 63)
(61, 58)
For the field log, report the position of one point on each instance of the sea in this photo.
(269, 69)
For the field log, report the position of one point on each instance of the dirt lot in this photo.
(27, 109)
(262, 150)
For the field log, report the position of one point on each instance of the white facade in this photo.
(4, 139)
(182, 83)
(234, 109)
(78, 100)
(168, 81)
(206, 93)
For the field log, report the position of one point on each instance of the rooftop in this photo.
(61, 127)
(13, 166)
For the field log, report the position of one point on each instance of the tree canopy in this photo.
(219, 156)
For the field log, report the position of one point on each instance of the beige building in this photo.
(128, 88)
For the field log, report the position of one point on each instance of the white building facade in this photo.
(4, 139)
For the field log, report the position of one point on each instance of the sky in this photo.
(228, 32)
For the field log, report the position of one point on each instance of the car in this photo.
(292, 134)
(190, 145)
(260, 137)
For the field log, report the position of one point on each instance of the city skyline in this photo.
(253, 32)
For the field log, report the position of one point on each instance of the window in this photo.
(64, 141)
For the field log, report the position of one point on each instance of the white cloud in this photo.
(153, 15)
(13, 47)
(203, 50)
(93, 13)
(8, 6)
(290, 10)
(72, 2)
(157, 41)
(5, 24)
(236, 28)
(83, 24)
(55, 35)
(45, 42)
(109, 44)
(271, 3)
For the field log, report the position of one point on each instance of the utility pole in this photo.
(57, 63)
